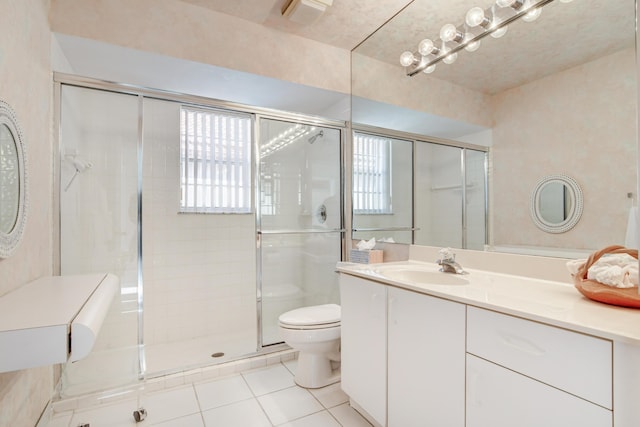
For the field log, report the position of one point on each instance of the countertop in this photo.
(545, 301)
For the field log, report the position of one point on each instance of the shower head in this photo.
(79, 163)
(80, 166)
(316, 136)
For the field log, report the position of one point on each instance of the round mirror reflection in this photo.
(13, 182)
(9, 180)
(556, 204)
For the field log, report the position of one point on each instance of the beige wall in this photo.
(25, 83)
(185, 31)
(379, 81)
(580, 122)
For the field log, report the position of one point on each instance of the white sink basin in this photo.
(421, 275)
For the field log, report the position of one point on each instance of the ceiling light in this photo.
(476, 17)
(426, 47)
(449, 33)
(430, 69)
(532, 15)
(407, 58)
(478, 24)
(499, 31)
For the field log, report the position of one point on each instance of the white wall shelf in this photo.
(53, 319)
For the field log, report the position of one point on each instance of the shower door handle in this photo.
(303, 231)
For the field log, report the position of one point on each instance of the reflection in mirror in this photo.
(555, 94)
(12, 182)
(449, 214)
(556, 204)
(382, 182)
(9, 180)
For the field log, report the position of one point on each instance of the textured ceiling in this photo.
(345, 24)
(566, 34)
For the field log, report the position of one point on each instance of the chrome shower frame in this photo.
(62, 79)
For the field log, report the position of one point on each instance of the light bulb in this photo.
(425, 47)
(473, 46)
(450, 59)
(430, 69)
(448, 32)
(475, 16)
(496, 34)
(499, 32)
(532, 15)
(505, 3)
(407, 59)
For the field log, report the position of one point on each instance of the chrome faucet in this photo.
(448, 262)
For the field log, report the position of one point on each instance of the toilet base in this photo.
(315, 371)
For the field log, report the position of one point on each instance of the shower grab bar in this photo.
(334, 230)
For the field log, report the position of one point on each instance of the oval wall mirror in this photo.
(13, 194)
(556, 204)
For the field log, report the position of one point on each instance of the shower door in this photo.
(299, 221)
(99, 225)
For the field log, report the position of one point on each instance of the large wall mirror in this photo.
(557, 95)
(12, 182)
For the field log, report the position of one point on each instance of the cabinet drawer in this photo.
(573, 362)
(499, 397)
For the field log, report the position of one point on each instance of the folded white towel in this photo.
(574, 265)
(617, 270)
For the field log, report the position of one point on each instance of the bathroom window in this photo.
(215, 161)
(371, 174)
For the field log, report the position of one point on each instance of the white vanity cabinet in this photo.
(364, 345)
(528, 374)
(426, 362)
(498, 351)
(403, 355)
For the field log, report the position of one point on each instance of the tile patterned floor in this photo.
(261, 397)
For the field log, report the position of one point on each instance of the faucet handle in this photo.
(447, 254)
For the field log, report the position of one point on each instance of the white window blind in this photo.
(215, 161)
(371, 174)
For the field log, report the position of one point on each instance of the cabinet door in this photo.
(426, 360)
(499, 397)
(364, 344)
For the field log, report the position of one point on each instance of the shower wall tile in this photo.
(199, 268)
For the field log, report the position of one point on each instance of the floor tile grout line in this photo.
(195, 391)
(256, 398)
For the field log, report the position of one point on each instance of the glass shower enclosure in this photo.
(196, 288)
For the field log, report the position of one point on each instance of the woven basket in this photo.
(624, 297)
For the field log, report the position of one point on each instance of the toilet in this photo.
(315, 332)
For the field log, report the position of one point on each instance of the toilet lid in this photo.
(314, 315)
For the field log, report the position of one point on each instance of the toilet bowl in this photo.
(315, 332)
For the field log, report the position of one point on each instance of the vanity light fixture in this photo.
(478, 24)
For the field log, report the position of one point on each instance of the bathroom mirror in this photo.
(12, 182)
(555, 94)
(556, 204)
(382, 182)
